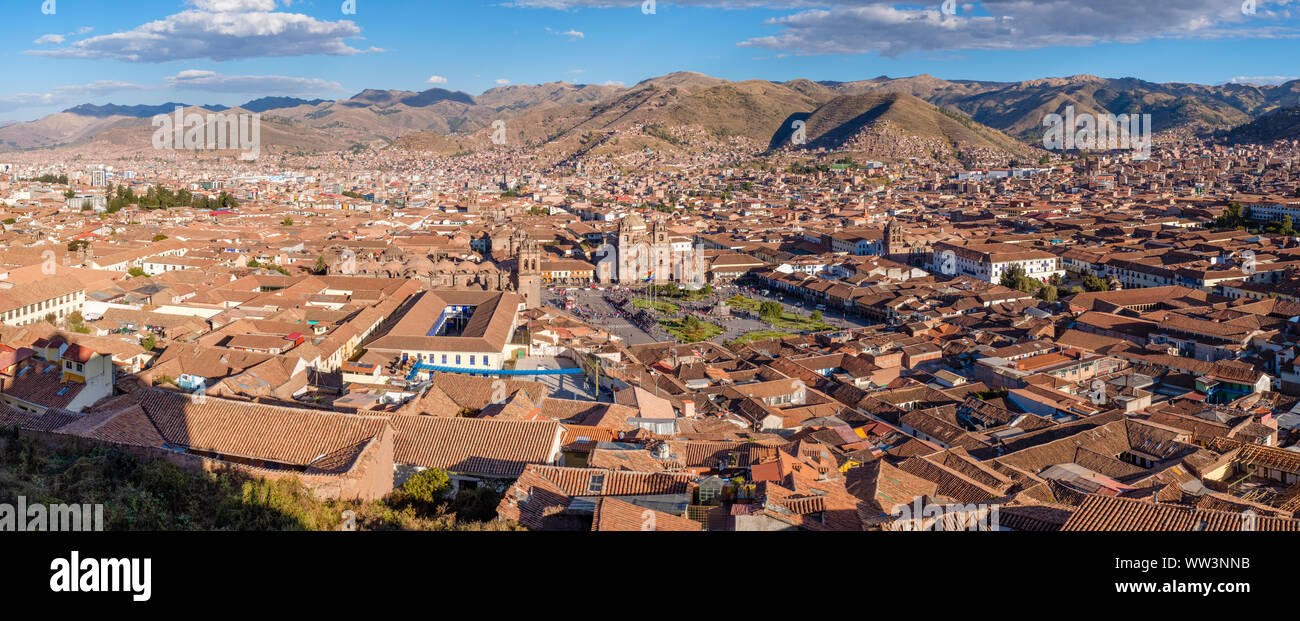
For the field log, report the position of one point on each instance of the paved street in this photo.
(573, 387)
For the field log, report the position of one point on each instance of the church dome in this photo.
(422, 265)
(632, 221)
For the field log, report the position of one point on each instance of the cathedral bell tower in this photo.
(659, 231)
(894, 244)
(528, 273)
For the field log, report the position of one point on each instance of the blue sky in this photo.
(231, 51)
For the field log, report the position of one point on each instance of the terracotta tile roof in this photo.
(291, 436)
(541, 495)
(129, 425)
(613, 514)
(491, 447)
(1102, 513)
(950, 482)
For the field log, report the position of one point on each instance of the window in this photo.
(472, 361)
(458, 359)
(444, 358)
(596, 484)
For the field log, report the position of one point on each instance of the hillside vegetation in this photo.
(160, 496)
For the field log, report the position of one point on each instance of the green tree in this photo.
(692, 323)
(770, 311)
(159, 237)
(1234, 217)
(321, 266)
(149, 342)
(287, 222)
(136, 272)
(816, 315)
(1093, 283)
(428, 487)
(1011, 278)
(1049, 293)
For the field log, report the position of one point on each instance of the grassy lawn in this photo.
(788, 321)
(761, 335)
(679, 331)
(741, 302)
(667, 308)
(682, 294)
(791, 321)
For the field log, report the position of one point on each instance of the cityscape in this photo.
(749, 284)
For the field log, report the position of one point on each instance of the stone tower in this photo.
(894, 244)
(659, 232)
(528, 273)
(517, 241)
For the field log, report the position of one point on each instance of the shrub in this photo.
(428, 487)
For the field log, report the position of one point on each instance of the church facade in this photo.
(648, 254)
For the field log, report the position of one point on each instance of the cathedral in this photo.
(898, 248)
(523, 259)
(648, 254)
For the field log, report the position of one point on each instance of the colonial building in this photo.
(648, 254)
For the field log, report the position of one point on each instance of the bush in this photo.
(1093, 283)
(477, 505)
(427, 487)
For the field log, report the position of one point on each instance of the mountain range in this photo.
(681, 110)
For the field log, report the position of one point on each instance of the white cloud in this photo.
(64, 95)
(58, 39)
(892, 28)
(502, 82)
(616, 83)
(219, 30)
(437, 79)
(211, 81)
(1262, 80)
(573, 34)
